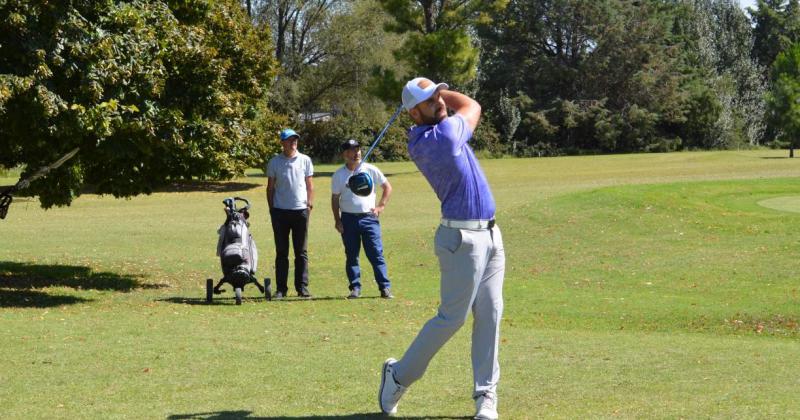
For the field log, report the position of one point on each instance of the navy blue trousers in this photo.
(363, 229)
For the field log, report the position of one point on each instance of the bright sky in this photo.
(747, 3)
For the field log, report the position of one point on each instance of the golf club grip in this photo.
(380, 136)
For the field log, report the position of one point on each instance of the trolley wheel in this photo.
(267, 288)
(238, 292)
(209, 290)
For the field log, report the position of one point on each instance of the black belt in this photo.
(357, 214)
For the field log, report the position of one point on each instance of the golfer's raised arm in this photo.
(463, 105)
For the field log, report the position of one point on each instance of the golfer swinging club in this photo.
(468, 244)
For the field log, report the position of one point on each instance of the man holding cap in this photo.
(467, 242)
(356, 219)
(290, 195)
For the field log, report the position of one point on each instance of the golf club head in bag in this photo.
(360, 184)
(230, 207)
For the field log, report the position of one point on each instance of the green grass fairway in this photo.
(637, 286)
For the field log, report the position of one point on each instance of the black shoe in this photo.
(279, 295)
(386, 293)
(304, 293)
(355, 293)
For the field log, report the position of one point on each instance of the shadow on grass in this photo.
(181, 186)
(242, 414)
(16, 280)
(34, 299)
(207, 186)
(229, 300)
(15, 275)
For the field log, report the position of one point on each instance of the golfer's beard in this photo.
(433, 120)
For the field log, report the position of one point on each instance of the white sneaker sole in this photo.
(386, 364)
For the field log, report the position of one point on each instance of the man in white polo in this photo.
(468, 244)
(356, 218)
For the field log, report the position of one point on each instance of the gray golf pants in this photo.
(472, 264)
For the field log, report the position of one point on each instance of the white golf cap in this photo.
(418, 90)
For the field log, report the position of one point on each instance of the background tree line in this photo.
(155, 91)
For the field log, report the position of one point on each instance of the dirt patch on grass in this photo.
(770, 325)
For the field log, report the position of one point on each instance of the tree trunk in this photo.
(427, 11)
(791, 151)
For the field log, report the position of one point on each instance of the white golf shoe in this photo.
(390, 391)
(486, 407)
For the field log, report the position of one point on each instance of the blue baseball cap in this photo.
(287, 133)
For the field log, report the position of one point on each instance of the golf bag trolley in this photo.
(237, 253)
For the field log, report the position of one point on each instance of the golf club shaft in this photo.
(44, 170)
(380, 136)
(5, 195)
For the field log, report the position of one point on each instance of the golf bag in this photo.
(237, 252)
